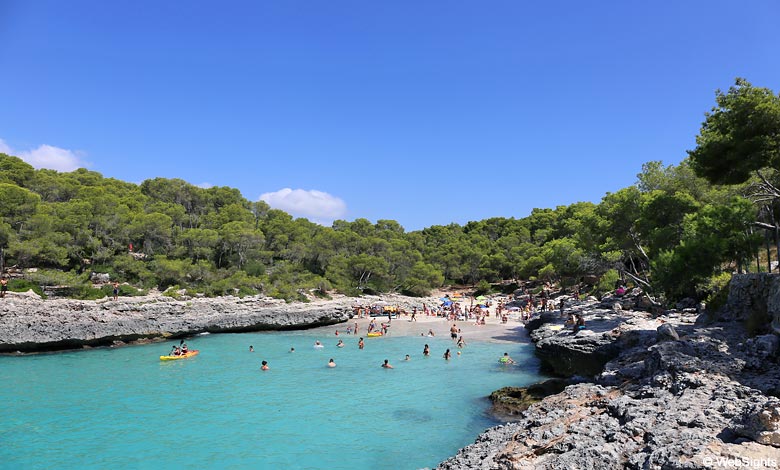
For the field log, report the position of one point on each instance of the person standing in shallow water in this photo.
(426, 351)
(361, 344)
(447, 355)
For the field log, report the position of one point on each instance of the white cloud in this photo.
(47, 156)
(317, 206)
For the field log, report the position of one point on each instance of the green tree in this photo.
(740, 136)
(14, 170)
(740, 139)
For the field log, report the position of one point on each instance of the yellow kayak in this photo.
(192, 353)
(374, 334)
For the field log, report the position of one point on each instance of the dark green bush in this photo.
(23, 285)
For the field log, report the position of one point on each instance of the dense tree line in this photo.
(674, 232)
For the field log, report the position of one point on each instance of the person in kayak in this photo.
(175, 351)
(184, 349)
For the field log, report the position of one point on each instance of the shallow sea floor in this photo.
(124, 408)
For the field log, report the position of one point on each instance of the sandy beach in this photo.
(493, 330)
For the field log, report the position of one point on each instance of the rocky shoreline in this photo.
(676, 390)
(671, 389)
(29, 324)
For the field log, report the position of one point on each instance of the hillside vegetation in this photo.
(673, 232)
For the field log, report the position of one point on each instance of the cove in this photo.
(125, 408)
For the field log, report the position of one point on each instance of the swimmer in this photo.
(292, 350)
(331, 363)
(361, 344)
(264, 366)
(426, 351)
(407, 358)
(505, 359)
(447, 355)
(318, 345)
(340, 344)
(251, 348)
(430, 332)
(387, 365)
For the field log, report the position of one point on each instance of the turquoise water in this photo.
(124, 408)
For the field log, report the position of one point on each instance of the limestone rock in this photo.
(667, 332)
(677, 393)
(762, 424)
(30, 324)
(100, 278)
(510, 401)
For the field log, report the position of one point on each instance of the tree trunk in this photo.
(777, 239)
(777, 244)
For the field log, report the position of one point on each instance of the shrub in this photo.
(172, 292)
(606, 283)
(483, 287)
(124, 291)
(23, 285)
(715, 292)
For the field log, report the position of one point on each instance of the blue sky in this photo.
(424, 112)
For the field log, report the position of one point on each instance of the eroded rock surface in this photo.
(28, 324)
(677, 394)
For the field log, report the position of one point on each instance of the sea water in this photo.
(124, 408)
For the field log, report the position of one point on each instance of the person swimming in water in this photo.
(340, 344)
(505, 359)
(331, 363)
(387, 365)
(264, 366)
(426, 350)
